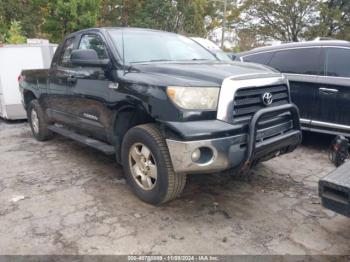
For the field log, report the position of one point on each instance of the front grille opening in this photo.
(247, 101)
(270, 136)
(244, 145)
(274, 127)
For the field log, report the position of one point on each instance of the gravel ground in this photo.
(59, 197)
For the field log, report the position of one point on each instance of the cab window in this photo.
(337, 62)
(297, 61)
(66, 52)
(95, 42)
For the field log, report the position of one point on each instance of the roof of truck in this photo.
(119, 28)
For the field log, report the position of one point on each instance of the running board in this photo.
(96, 144)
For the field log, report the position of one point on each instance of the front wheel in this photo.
(147, 165)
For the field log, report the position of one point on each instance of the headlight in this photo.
(194, 97)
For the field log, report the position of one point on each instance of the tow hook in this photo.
(246, 167)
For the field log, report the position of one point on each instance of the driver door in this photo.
(88, 92)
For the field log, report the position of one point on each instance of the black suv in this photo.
(319, 77)
(163, 104)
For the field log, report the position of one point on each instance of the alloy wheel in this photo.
(143, 166)
(35, 121)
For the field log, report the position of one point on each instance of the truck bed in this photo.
(35, 73)
(35, 80)
(334, 190)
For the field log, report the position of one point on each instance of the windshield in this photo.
(149, 46)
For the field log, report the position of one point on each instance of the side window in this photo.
(262, 58)
(297, 61)
(94, 42)
(66, 52)
(337, 62)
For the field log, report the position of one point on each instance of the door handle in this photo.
(328, 90)
(71, 80)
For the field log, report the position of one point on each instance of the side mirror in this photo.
(232, 56)
(87, 57)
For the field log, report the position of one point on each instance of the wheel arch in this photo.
(127, 117)
(28, 96)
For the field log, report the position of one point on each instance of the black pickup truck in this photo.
(164, 105)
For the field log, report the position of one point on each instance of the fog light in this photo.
(196, 154)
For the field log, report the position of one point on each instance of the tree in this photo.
(247, 40)
(66, 16)
(28, 13)
(109, 14)
(3, 28)
(214, 14)
(182, 16)
(334, 20)
(190, 17)
(153, 14)
(284, 20)
(15, 34)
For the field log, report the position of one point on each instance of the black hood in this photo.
(199, 73)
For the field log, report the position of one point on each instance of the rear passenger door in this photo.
(59, 72)
(301, 66)
(334, 89)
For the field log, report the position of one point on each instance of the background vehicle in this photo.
(213, 48)
(14, 59)
(163, 104)
(231, 55)
(319, 76)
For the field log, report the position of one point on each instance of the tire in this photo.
(163, 187)
(38, 121)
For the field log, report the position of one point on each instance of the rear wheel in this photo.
(147, 165)
(37, 121)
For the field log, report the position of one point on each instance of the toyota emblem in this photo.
(267, 99)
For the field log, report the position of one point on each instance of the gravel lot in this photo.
(59, 197)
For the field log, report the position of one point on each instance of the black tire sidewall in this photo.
(158, 193)
(43, 132)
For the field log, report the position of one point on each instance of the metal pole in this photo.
(223, 25)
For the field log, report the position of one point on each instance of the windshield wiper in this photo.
(166, 60)
(154, 60)
(199, 59)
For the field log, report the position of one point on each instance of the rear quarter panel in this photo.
(35, 81)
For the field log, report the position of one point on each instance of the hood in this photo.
(199, 73)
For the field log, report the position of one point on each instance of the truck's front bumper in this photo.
(225, 153)
(218, 154)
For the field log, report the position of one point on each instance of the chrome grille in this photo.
(247, 101)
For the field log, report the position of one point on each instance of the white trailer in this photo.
(14, 59)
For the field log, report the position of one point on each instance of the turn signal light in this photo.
(20, 78)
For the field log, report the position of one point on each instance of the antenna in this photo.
(123, 51)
